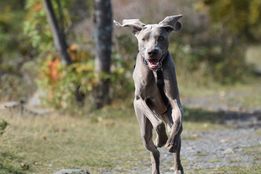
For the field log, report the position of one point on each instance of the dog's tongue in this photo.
(153, 64)
(153, 61)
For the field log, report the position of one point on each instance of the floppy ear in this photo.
(171, 23)
(135, 24)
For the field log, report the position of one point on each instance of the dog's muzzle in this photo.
(154, 63)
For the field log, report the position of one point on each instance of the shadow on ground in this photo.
(233, 118)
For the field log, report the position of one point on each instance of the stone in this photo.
(228, 151)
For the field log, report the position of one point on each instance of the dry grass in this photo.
(47, 144)
(105, 140)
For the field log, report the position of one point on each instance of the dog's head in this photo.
(153, 38)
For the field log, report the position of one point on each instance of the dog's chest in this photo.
(147, 84)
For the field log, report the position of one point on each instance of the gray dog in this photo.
(156, 101)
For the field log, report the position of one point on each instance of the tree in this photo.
(58, 34)
(103, 39)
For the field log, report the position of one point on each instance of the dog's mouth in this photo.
(153, 63)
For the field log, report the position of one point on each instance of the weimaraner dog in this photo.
(156, 101)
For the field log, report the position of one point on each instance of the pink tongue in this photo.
(153, 62)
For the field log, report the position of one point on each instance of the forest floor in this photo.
(222, 134)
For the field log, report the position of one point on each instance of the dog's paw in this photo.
(172, 145)
(172, 148)
(178, 172)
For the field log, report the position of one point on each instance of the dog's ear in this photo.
(171, 23)
(135, 24)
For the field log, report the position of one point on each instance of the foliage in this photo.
(61, 85)
(215, 48)
(10, 25)
(211, 46)
(235, 22)
(210, 62)
(7, 31)
(36, 26)
(60, 81)
(57, 80)
(242, 18)
(15, 51)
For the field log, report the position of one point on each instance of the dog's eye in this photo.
(143, 39)
(160, 38)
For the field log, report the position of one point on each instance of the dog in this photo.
(156, 100)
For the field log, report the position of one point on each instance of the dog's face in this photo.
(153, 38)
(153, 44)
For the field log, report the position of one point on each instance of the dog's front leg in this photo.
(172, 93)
(176, 129)
(174, 142)
(154, 119)
(171, 90)
(146, 135)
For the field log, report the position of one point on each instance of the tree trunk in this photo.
(103, 38)
(58, 34)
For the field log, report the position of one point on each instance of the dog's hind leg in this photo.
(146, 128)
(162, 137)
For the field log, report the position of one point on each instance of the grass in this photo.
(244, 94)
(47, 144)
(100, 141)
(104, 140)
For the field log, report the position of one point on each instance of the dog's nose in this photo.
(153, 52)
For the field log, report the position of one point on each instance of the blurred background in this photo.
(219, 44)
(65, 58)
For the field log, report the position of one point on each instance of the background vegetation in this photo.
(218, 63)
(211, 47)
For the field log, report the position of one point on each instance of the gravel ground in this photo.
(210, 149)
